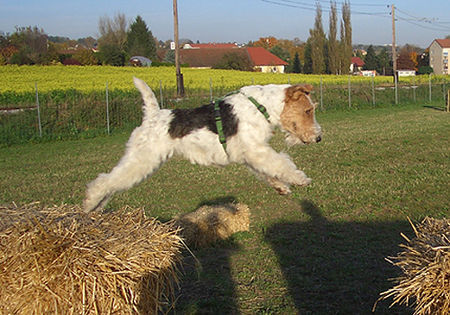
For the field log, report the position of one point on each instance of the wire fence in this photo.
(73, 114)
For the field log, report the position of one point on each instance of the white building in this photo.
(439, 56)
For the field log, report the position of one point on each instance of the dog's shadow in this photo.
(337, 267)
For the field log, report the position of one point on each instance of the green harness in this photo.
(218, 118)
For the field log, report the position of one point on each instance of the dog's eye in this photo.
(309, 111)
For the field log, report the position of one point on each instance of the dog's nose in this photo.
(318, 139)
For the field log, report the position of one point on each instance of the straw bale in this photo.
(61, 260)
(425, 265)
(209, 224)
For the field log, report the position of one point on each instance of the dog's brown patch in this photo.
(297, 116)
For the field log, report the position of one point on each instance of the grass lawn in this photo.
(320, 250)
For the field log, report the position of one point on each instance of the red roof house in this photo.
(264, 61)
(208, 56)
(356, 64)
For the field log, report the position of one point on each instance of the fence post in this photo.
(448, 101)
(107, 107)
(161, 94)
(443, 90)
(396, 88)
(349, 93)
(429, 87)
(414, 89)
(373, 91)
(321, 93)
(38, 110)
(210, 90)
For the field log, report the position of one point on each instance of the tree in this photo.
(371, 60)
(296, 66)
(333, 51)
(140, 41)
(404, 60)
(280, 53)
(266, 42)
(346, 39)
(234, 61)
(317, 37)
(32, 45)
(112, 55)
(383, 62)
(113, 31)
(307, 61)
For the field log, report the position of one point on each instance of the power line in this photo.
(432, 23)
(312, 7)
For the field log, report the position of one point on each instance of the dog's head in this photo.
(298, 116)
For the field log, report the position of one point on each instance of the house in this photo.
(264, 61)
(210, 55)
(356, 64)
(439, 53)
(406, 73)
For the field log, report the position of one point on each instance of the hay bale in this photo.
(425, 264)
(63, 261)
(209, 224)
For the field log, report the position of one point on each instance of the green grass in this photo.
(320, 250)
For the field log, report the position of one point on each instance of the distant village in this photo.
(136, 46)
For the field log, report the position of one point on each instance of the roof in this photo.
(444, 43)
(258, 56)
(207, 58)
(357, 61)
(262, 57)
(209, 46)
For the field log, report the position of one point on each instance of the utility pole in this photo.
(180, 84)
(394, 50)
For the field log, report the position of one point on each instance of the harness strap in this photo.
(219, 125)
(218, 118)
(260, 107)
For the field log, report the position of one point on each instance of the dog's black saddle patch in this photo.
(186, 121)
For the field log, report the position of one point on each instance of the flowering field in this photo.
(22, 79)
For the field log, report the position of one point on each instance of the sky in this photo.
(418, 21)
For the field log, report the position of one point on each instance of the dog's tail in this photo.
(150, 102)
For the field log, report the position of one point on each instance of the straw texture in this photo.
(59, 260)
(208, 224)
(425, 264)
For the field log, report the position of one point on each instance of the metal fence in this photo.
(73, 114)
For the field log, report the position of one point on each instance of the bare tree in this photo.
(113, 31)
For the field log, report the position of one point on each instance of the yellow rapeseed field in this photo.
(20, 79)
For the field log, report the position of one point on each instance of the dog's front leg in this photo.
(277, 167)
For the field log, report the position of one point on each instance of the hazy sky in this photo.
(419, 21)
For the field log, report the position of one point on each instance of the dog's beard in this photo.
(292, 140)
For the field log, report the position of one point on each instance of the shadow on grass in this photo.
(207, 286)
(337, 267)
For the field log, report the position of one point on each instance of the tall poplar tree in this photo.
(346, 39)
(317, 37)
(140, 41)
(333, 48)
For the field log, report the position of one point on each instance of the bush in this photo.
(425, 70)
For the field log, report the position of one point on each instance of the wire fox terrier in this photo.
(236, 128)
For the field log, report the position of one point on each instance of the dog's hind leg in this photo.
(135, 166)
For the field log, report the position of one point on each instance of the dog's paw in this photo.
(306, 182)
(283, 190)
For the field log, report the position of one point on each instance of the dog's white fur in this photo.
(150, 144)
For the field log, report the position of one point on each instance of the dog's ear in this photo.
(295, 91)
